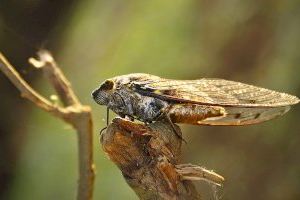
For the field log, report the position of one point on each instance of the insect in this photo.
(205, 101)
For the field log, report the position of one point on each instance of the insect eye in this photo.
(107, 85)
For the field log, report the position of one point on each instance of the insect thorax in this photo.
(127, 102)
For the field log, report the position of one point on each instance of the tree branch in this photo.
(56, 77)
(27, 91)
(74, 113)
(148, 157)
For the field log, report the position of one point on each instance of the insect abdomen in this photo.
(222, 116)
(193, 113)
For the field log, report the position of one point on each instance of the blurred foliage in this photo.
(256, 42)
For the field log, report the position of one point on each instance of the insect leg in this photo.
(101, 131)
(107, 121)
(107, 116)
(173, 127)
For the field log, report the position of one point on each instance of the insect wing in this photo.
(244, 104)
(215, 92)
(245, 116)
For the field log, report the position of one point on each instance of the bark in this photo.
(148, 156)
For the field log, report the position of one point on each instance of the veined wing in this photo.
(214, 92)
(243, 104)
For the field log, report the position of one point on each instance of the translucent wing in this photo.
(243, 103)
(214, 92)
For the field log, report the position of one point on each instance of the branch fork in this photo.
(72, 112)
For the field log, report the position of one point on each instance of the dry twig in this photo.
(73, 112)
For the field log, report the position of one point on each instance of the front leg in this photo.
(178, 134)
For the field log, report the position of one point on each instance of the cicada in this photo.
(204, 101)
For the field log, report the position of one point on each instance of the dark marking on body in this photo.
(168, 92)
(107, 85)
(142, 87)
(252, 101)
(257, 116)
(237, 116)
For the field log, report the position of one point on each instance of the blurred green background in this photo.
(252, 41)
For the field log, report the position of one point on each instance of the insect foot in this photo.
(148, 156)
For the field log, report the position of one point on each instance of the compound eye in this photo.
(107, 85)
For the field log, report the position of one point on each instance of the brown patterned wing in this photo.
(244, 104)
(215, 92)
